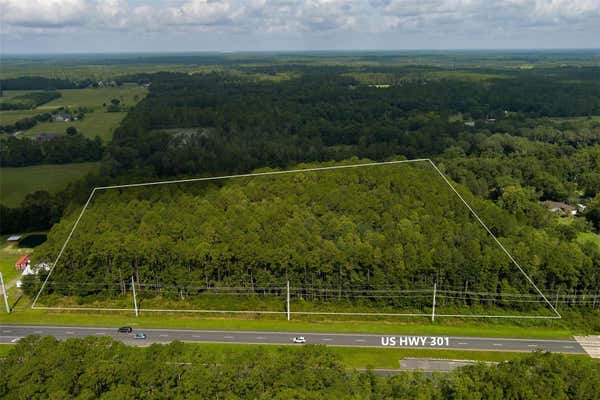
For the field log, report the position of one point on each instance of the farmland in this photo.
(93, 101)
(94, 98)
(94, 124)
(15, 183)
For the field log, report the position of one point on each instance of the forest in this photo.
(395, 226)
(44, 368)
(70, 148)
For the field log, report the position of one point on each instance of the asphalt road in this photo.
(12, 333)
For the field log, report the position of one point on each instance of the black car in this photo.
(125, 329)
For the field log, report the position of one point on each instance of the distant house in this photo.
(470, 124)
(43, 137)
(561, 208)
(13, 239)
(61, 117)
(23, 262)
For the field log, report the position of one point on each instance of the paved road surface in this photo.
(11, 333)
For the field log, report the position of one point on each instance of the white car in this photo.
(299, 339)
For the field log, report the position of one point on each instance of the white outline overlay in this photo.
(335, 167)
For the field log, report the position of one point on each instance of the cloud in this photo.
(43, 13)
(308, 19)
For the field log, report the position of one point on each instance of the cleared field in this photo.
(15, 183)
(95, 97)
(94, 124)
(12, 116)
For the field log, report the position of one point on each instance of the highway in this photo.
(12, 333)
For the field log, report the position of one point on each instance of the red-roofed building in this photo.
(22, 262)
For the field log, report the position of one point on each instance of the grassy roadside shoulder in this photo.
(353, 357)
(25, 315)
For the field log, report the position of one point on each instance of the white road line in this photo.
(70, 333)
(196, 336)
(567, 347)
(38, 332)
(100, 333)
(7, 331)
(260, 337)
(532, 345)
(163, 335)
(228, 337)
(327, 338)
(496, 344)
(462, 343)
(359, 340)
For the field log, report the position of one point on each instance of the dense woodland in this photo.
(100, 368)
(325, 114)
(397, 226)
(42, 83)
(70, 148)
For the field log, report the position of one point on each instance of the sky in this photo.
(111, 26)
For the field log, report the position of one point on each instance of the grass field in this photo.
(12, 116)
(8, 95)
(4, 349)
(15, 183)
(93, 98)
(9, 254)
(94, 124)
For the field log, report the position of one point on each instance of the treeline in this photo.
(100, 368)
(398, 226)
(29, 100)
(42, 83)
(25, 123)
(20, 152)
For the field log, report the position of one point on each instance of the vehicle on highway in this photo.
(140, 336)
(125, 329)
(299, 339)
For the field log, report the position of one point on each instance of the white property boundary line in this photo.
(335, 167)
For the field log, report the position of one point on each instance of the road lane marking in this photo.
(327, 338)
(100, 333)
(38, 332)
(462, 343)
(196, 336)
(228, 337)
(496, 344)
(359, 340)
(567, 347)
(532, 345)
(260, 338)
(7, 331)
(163, 335)
(70, 333)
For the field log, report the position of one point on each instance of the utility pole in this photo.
(134, 298)
(288, 300)
(433, 308)
(4, 294)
